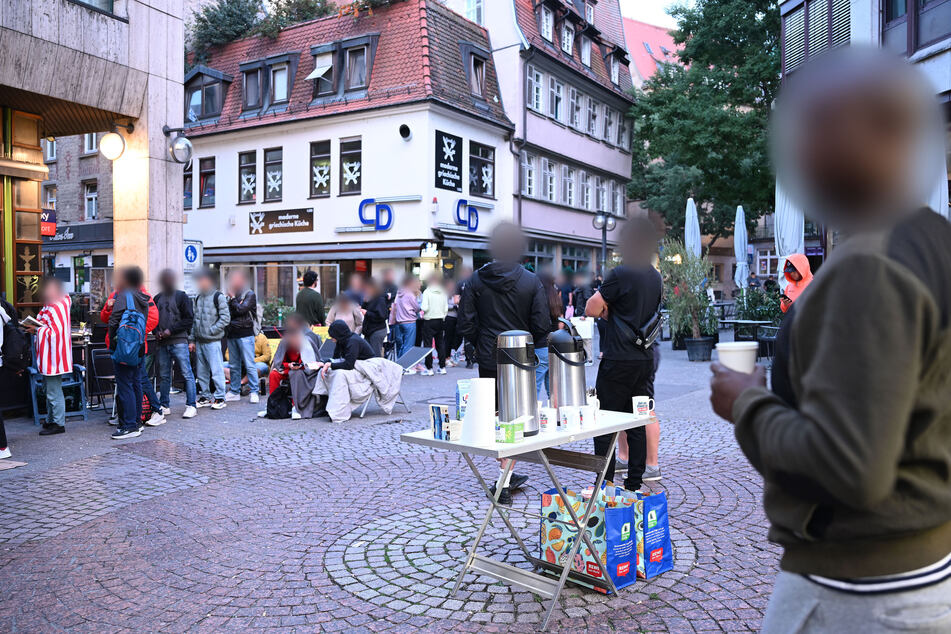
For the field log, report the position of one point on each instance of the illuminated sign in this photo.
(467, 215)
(382, 218)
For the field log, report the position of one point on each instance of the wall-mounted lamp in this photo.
(179, 147)
(112, 145)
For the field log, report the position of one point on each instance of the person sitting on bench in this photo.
(297, 359)
(350, 348)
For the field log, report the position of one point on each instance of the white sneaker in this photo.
(262, 413)
(408, 372)
(158, 418)
(166, 411)
(426, 373)
(230, 397)
(441, 371)
(5, 452)
(190, 412)
(295, 415)
(254, 397)
(218, 404)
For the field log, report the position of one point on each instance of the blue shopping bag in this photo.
(654, 549)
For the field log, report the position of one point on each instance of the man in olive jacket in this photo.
(212, 317)
(854, 440)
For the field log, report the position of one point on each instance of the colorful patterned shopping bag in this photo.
(610, 528)
(654, 550)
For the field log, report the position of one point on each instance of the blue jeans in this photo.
(163, 356)
(55, 401)
(405, 335)
(211, 367)
(241, 353)
(129, 395)
(541, 373)
(148, 388)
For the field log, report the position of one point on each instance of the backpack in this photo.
(130, 335)
(16, 348)
(279, 403)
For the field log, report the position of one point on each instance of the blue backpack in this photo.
(130, 335)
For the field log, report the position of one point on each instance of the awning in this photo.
(324, 62)
(19, 169)
(56, 247)
(452, 242)
(300, 252)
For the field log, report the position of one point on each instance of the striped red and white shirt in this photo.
(54, 348)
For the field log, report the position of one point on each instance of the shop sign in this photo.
(48, 222)
(382, 218)
(448, 161)
(65, 234)
(467, 215)
(281, 221)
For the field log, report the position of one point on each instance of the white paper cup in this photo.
(589, 415)
(547, 419)
(738, 355)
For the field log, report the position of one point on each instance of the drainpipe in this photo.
(516, 147)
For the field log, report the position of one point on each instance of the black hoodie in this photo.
(502, 297)
(350, 347)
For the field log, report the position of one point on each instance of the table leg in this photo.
(581, 524)
(488, 517)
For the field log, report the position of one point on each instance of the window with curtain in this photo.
(548, 24)
(568, 186)
(593, 107)
(575, 99)
(556, 104)
(534, 80)
(551, 180)
(206, 182)
(279, 88)
(252, 88)
(585, 184)
(91, 200)
(585, 50)
(477, 75)
(567, 38)
(356, 68)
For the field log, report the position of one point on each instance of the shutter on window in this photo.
(794, 42)
(818, 27)
(841, 23)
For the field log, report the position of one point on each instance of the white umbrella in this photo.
(692, 229)
(740, 238)
(939, 195)
(789, 231)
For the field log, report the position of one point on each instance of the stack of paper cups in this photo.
(478, 426)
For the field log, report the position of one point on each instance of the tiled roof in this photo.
(418, 58)
(644, 62)
(599, 71)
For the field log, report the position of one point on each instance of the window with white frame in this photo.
(248, 177)
(568, 186)
(50, 149)
(481, 170)
(323, 74)
(90, 200)
(319, 169)
(584, 183)
(550, 180)
(528, 175)
(556, 100)
(593, 107)
(252, 89)
(279, 93)
(475, 11)
(89, 143)
(622, 134)
(477, 75)
(609, 119)
(273, 174)
(615, 70)
(575, 101)
(586, 50)
(548, 23)
(356, 68)
(618, 189)
(540, 254)
(575, 258)
(600, 194)
(534, 88)
(49, 194)
(351, 166)
(567, 38)
(589, 12)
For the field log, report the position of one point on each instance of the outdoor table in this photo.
(721, 307)
(539, 449)
(746, 323)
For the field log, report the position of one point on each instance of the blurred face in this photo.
(236, 282)
(294, 336)
(204, 283)
(51, 293)
(167, 280)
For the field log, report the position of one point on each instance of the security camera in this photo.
(405, 132)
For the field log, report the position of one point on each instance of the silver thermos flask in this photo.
(516, 363)
(566, 363)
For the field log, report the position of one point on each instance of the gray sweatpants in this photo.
(798, 605)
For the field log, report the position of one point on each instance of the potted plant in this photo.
(685, 295)
(275, 309)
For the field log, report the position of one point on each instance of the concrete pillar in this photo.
(147, 184)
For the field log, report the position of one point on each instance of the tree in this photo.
(284, 13)
(700, 126)
(221, 22)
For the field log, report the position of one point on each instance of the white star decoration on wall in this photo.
(273, 181)
(257, 222)
(351, 173)
(321, 176)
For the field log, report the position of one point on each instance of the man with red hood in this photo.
(798, 275)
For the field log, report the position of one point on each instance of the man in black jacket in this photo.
(501, 296)
(176, 316)
(350, 348)
(243, 306)
(377, 312)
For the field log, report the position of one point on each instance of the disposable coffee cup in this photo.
(739, 356)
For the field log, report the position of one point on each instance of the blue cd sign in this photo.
(467, 215)
(382, 217)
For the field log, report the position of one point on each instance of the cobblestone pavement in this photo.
(225, 522)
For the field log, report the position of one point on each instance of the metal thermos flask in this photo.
(566, 359)
(516, 362)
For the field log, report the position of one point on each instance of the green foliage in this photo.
(759, 305)
(284, 13)
(275, 309)
(222, 22)
(700, 127)
(685, 290)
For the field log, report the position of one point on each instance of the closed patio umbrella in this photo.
(740, 240)
(789, 231)
(692, 229)
(939, 195)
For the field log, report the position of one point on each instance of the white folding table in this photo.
(539, 449)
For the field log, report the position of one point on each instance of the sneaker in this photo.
(203, 401)
(219, 403)
(620, 465)
(262, 413)
(651, 474)
(52, 429)
(441, 371)
(231, 397)
(450, 363)
(174, 390)
(505, 497)
(295, 415)
(5, 452)
(410, 371)
(166, 411)
(156, 419)
(517, 481)
(426, 373)
(122, 434)
(254, 398)
(190, 412)
(113, 421)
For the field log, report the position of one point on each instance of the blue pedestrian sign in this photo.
(191, 254)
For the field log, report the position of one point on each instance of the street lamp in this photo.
(604, 224)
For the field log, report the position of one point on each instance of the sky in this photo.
(650, 11)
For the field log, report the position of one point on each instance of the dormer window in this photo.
(567, 38)
(589, 12)
(356, 66)
(548, 24)
(586, 51)
(323, 74)
(202, 97)
(477, 75)
(252, 89)
(615, 70)
(279, 86)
